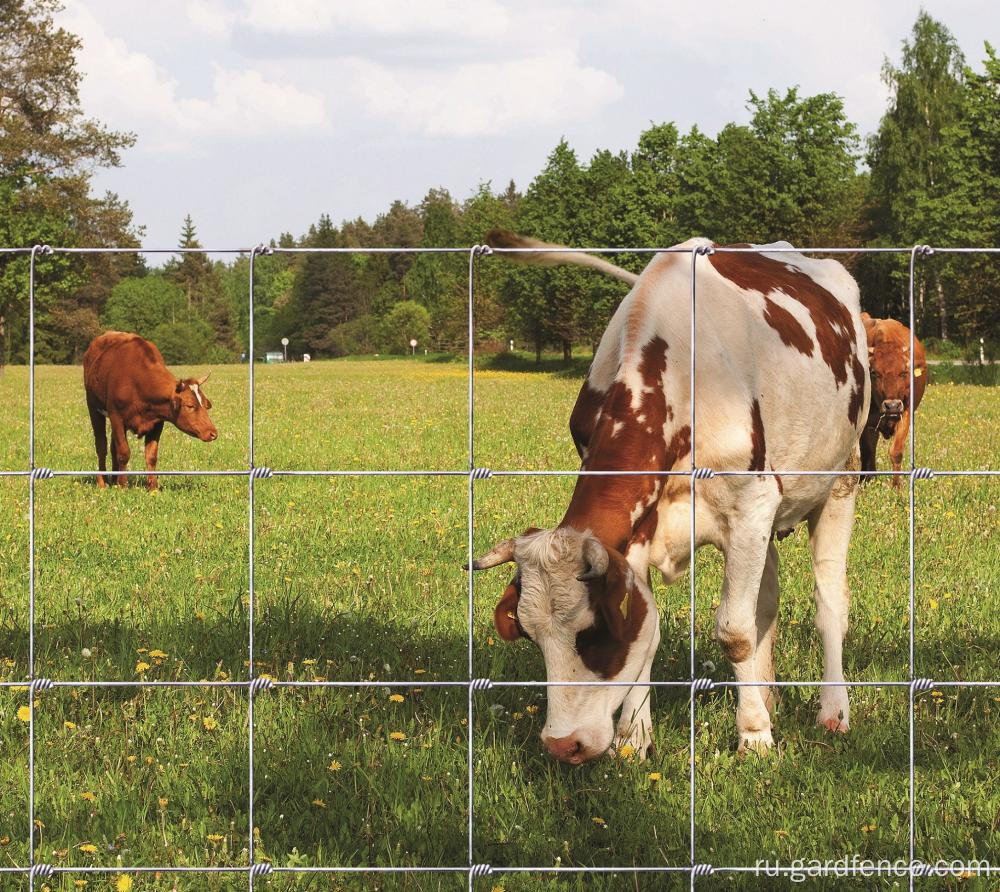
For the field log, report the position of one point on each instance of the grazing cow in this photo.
(128, 385)
(781, 383)
(889, 414)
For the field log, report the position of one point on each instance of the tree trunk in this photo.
(567, 350)
(538, 350)
(943, 304)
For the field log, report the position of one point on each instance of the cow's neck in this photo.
(630, 435)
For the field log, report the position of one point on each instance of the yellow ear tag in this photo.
(511, 614)
(917, 373)
(623, 607)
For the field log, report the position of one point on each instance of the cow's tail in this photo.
(557, 255)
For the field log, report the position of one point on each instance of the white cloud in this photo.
(485, 98)
(131, 90)
(209, 16)
(381, 17)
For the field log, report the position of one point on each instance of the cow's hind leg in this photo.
(152, 448)
(767, 624)
(869, 442)
(830, 533)
(743, 615)
(898, 444)
(100, 425)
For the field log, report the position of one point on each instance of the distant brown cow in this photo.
(889, 412)
(128, 384)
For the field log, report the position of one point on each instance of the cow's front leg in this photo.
(829, 535)
(120, 453)
(898, 443)
(635, 722)
(152, 448)
(869, 443)
(736, 627)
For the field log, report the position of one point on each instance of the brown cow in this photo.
(889, 412)
(128, 384)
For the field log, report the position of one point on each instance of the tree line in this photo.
(798, 171)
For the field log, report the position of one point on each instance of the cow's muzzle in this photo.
(569, 749)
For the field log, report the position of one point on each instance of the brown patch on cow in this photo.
(857, 393)
(736, 647)
(784, 534)
(583, 419)
(834, 326)
(604, 505)
(789, 328)
(777, 480)
(758, 447)
(619, 612)
(845, 485)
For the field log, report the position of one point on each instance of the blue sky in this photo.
(256, 116)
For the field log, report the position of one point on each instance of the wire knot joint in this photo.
(263, 869)
(922, 473)
(482, 473)
(261, 473)
(481, 870)
(702, 870)
(703, 473)
(702, 684)
(481, 684)
(261, 683)
(41, 473)
(920, 685)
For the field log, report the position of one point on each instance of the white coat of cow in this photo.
(781, 383)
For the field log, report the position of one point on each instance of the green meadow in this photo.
(361, 578)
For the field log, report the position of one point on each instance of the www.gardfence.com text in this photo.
(801, 869)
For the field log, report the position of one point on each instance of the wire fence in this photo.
(255, 685)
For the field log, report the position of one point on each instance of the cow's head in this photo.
(889, 363)
(592, 618)
(191, 407)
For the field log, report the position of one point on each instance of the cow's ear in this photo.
(505, 615)
(617, 599)
(179, 387)
(208, 402)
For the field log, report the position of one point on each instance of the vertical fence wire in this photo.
(254, 684)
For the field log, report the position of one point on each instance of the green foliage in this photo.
(183, 342)
(140, 305)
(357, 337)
(407, 321)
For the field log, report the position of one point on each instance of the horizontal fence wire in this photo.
(260, 684)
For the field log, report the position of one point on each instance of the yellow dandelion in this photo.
(209, 723)
(781, 833)
(531, 710)
(397, 698)
(158, 654)
(162, 802)
(334, 766)
(426, 777)
(319, 803)
(655, 776)
(495, 888)
(490, 641)
(130, 759)
(517, 715)
(124, 883)
(308, 662)
(397, 735)
(141, 667)
(599, 821)
(88, 796)
(627, 751)
(81, 883)
(934, 603)
(70, 726)
(199, 615)
(4, 840)
(88, 848)
(24, 713)
(215, 838)
(419, 671)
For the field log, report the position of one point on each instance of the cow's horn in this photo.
(202, 380)
(498, 554)
(596, 556)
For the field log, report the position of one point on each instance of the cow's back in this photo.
(120, 366)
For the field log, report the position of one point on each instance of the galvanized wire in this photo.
(256, 685)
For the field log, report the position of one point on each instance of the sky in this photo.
(257, 116)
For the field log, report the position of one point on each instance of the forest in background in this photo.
(798, 171)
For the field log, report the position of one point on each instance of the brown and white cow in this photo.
(889, 414)
(129, 385)
(781, 383)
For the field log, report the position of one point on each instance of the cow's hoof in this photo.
(759, 742)
(834, 723)
(635, 745)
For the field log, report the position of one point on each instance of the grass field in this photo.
(360, 578)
